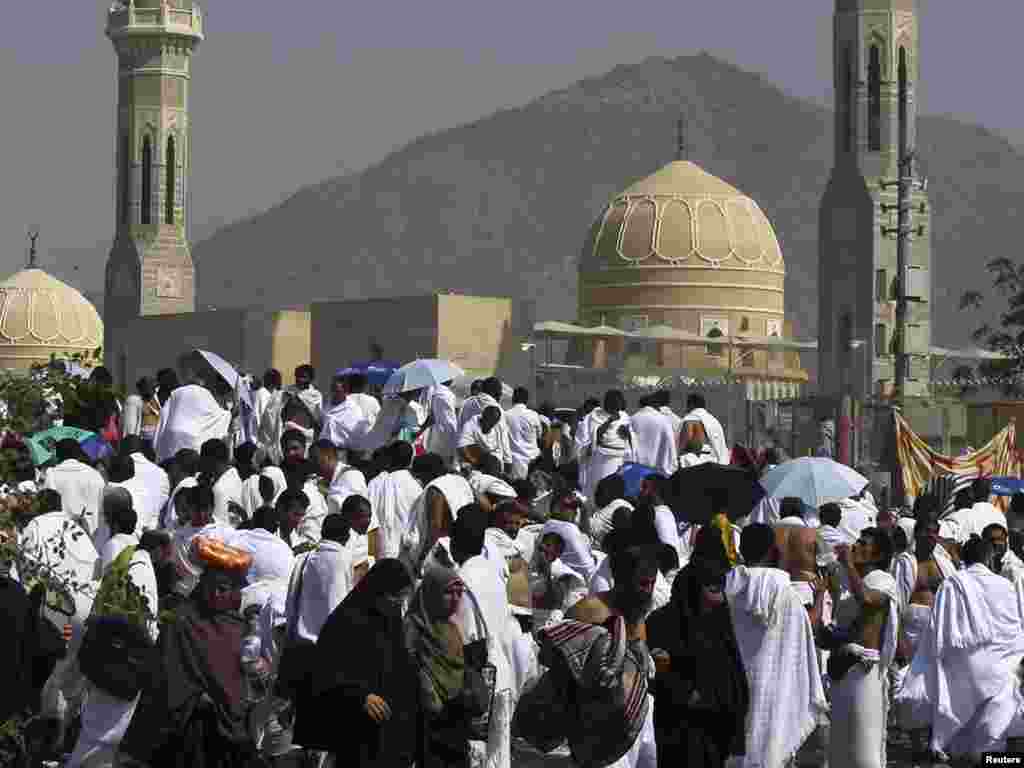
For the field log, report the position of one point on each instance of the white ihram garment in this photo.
(189, 418)
(392, 497)
(714, 432)
(963, 679)
(860, 700)
(654, 443)
(80, 488)
(904, 570)
(444, 431)
(327, 576)
(483, 580)
(608, 455)
(776, 644)
(457, 493)
(524, 435)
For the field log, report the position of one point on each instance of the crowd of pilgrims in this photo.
(329, 594)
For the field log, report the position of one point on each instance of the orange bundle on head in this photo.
(213, 553)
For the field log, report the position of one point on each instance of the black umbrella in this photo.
(699, 492)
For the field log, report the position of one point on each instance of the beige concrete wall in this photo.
(251, 340)
(474, 331)
(343, 332)
(291, 340)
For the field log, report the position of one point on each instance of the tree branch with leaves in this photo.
(1006, 338)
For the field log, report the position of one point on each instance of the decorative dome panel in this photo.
(40, 316)
(682, 216)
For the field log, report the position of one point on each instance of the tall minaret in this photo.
(150, 271)
(876, 58)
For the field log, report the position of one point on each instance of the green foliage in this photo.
(1008, 337)
(119, 595)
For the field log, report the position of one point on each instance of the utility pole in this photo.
(903, 232)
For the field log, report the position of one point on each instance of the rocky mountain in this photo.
(502, 206)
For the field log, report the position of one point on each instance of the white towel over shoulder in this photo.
(777, 646)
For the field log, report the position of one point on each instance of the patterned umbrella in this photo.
(41, 445)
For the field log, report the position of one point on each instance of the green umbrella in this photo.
(42, 444)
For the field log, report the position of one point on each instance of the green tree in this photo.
(1007, 337)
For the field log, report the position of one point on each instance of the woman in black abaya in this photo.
(365, 688)
(700, 693)
(196, 717)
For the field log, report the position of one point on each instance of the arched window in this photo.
(904, 132)
(169, 194)
(715, 349)
(875, 100)
(147, 180)
(126, 179)
(848, 94)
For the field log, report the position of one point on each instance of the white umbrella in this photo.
(420, 374)
(813, 480)
(227, 372)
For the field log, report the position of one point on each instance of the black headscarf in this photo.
(361, 651)
(196, 716)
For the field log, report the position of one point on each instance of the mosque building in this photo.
(42, 319)
(682, 275)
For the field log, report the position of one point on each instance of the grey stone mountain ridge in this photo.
(503, 205)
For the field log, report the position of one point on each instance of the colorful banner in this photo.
(919, 462)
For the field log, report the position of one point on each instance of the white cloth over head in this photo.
(189, 418)
(457, 493)
(576, 552)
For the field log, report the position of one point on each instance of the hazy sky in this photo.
(286, 94)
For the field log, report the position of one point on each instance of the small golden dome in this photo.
(682, 216)
(42, 317)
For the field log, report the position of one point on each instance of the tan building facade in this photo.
(481, 335)
(252, 339)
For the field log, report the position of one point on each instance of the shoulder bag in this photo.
(481, 677)
(296, 663)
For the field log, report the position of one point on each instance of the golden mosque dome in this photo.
(685, 249)
(41, 317)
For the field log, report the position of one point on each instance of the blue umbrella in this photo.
(633, 476)
(420, 374)
(814, 480)
(377, 372)
(1007, 486)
